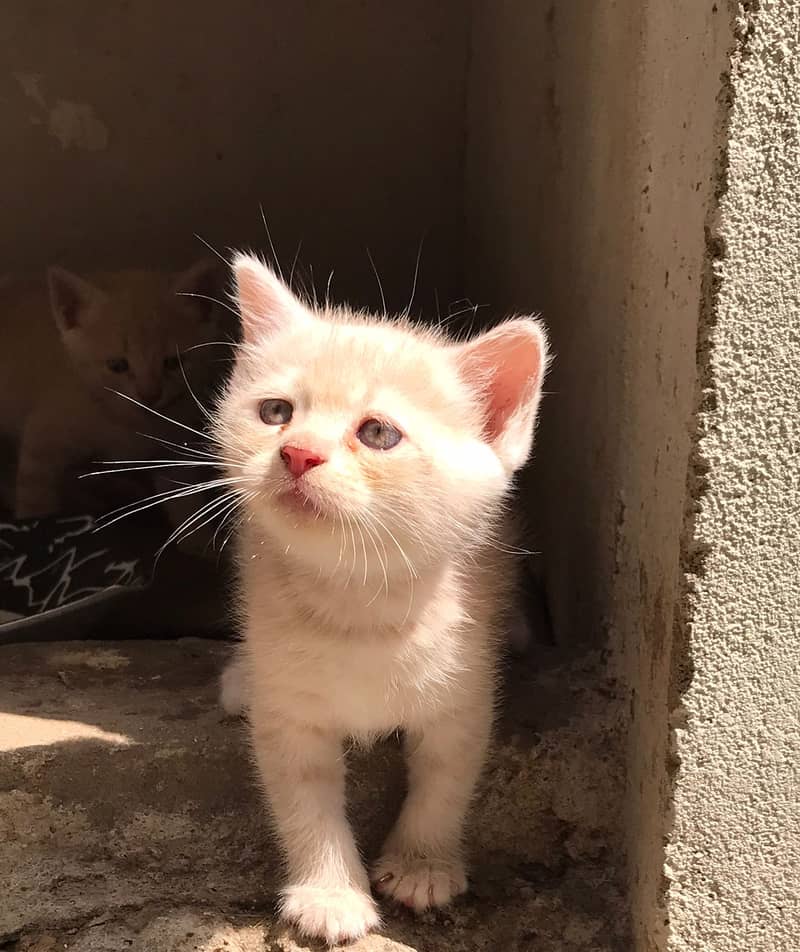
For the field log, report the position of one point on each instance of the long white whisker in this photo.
(166, 464)
(353, 540)
(212, 249)
(364, 550)
(294, 263)
(155, 500)
(207, 297)
(207, 506)
(200, 406)
(237, 501)
(411, 570)
(378, 279)
(212, 507)
(416, 275)
(167, 419)
(236, 525)
(213, 343)
(185, 448)
(269, 239)
(313, 285)
(375, 539)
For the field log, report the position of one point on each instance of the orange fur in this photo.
(56, 338)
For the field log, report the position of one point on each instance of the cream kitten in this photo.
(374, 460)
(65, 344)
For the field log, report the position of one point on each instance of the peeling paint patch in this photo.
(31, 84)
(75, 124)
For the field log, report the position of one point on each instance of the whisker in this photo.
(412, 571)
(269, 239)
(364, 549)
(313, 285)
(237, 501)
(194, 452)
(212, 249)
(378, 279)
(214, 343)
(206, 297)
(164, 464)
(200, 406)
(353, 540)
(213, 507)
(149, 501)
(416, 275)
(382, 563)
(294, 263)
(472, 309)
(182, 447)
(167, 419)
(253, 494)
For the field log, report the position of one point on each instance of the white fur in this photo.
(378, 606)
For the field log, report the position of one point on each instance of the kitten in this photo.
(66, 343)
(374, 459)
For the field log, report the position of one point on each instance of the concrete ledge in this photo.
(131, 819)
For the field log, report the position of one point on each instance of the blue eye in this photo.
(118, 365)
(379, 435)
(275, 412)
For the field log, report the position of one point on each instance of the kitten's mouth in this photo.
(297, 500)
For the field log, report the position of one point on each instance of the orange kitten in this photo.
(66, 343)
(375, 459)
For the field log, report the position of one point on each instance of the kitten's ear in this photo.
(71, 297)
(200, 284)
(265, 303)
(506, 367)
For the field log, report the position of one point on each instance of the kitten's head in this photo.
(357, 435)
(133, 331)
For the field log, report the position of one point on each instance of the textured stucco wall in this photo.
(734, 855)
(128, 127)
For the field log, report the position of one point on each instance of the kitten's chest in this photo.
(361, 688)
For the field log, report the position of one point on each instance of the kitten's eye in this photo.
(379, 435)
(171, 363)
(275, 412)
(118, 365)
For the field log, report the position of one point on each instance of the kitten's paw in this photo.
(232, 688)
(419, 883)
(335, 914)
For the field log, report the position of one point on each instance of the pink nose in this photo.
(299, 461)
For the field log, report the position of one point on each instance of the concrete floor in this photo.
(130, 820)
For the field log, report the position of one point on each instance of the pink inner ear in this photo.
(506, 365)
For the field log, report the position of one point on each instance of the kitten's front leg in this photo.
(422, 863)
(303, 771)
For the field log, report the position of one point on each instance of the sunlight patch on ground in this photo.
(18, 731)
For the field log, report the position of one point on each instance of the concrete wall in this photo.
(734, 852)
(127, 127)
(590, 169)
